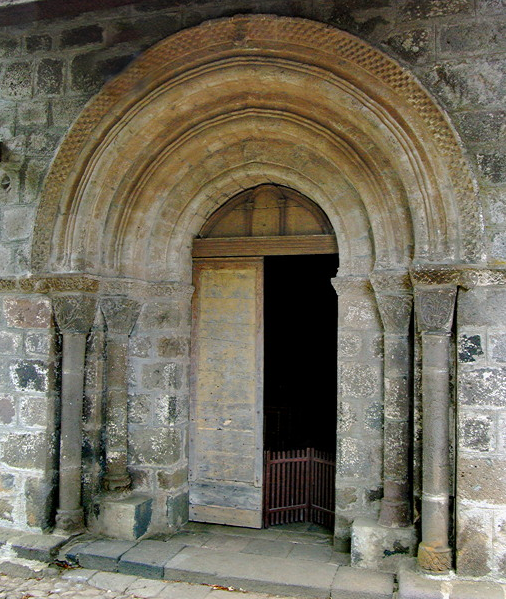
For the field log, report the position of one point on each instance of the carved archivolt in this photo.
(244, 101)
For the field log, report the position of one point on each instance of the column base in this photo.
(125, 518)
(434, 560)
(69, 521)
(380, 548)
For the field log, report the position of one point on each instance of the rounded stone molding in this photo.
(252, 100)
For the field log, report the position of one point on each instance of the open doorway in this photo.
(300, 395)
(300, 352)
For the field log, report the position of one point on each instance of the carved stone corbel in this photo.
(434, 310)
(74, 314)
(120, 315)
(395, 303)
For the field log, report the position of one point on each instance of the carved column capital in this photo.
(74, 313)
(434, 307)
(120, 314)
(351, 285)
(395, 312)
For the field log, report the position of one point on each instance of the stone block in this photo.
(476, 432)
(178, 510)
(482, 479)
(7, 409)
(350, 583)
(88, 72)
(38, 343)
(472, 38)
(492, 166)
(159, 316)
(81, 36)
(6, 509)
(379, 547)
(17, 80)
(17, 223)
(115, 582)
(38, 43)
(127, 518)
(25, 450)
(27, 312)
(173, 347)
(483, 387)
(49, 76)
(139, 346)
(158, 446)
(8, 46)
(153, 28)
(43, 548)
(498, 245)
(350, 344)
(482, 126)
(474, 84)
(346, 497)
(102, 555)
(33, 113)
(416, 586)
(170, 410)
(426, 9)
(65, 110)
(469, 348)
(40, 496)
(347, 416)
(167, 376)
(29, 375)
(476, 590)
(358, 380)
(148, 558)
(474, 541)
(33, 411)
(6, 484)
(139, 409)
(353, 459)
(414, 46)
(170, 481)
(373, 416)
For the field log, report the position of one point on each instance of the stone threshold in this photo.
(278, 561)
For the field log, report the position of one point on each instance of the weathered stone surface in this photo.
(167, 376)
(492, 166)
(103, 555)
(482, 126)
(153, 28)
(38, 343)
(435, 8)
(482, 479)
(470, 348)
(475, 37)
(159, 316)
(17, 80)
(139, 409)
(34, 411)
(483, 387)
(81, 36)
(473, 542)
(33, 113)
(27, 312)
(25, 450)
(476, 432)
(29, 375)
(10, 343)
(49, 76)
(89, 71)
(7, 409)
(169, 481)
(346, 497)
(38, 43)
(359, 380)
(139, 346)
(40, 494)
(17, 223)
(414, 45)
(159, 446)
(173, 347)
(177, 510)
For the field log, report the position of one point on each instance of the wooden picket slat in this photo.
(299, 486)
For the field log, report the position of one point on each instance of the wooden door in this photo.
(226, 444)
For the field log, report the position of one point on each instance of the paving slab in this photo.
(416, 586)
(111, 581)
(148, 558)
(146, 589)
(42, 548)
(269, 548)
(103, 555)
(318, 553)
(356, 583)
(78, 574)
(266, 574)
(183, 590)
(476, 590)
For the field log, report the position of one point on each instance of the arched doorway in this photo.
(250, 384)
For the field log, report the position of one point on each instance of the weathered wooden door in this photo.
(226, 445)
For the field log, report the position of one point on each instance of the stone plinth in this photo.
(123, 518)
(379, 547)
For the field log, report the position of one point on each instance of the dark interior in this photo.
(300, 363)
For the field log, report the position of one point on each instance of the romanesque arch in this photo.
(240, 102)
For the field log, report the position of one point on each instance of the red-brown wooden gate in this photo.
(299, 486)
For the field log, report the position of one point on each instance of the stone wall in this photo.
(481, 464)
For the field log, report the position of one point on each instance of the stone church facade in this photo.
(124, 129)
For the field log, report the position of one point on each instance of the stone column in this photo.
(120, 315)
(74, 316)
(395, 306)
(434, 310)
